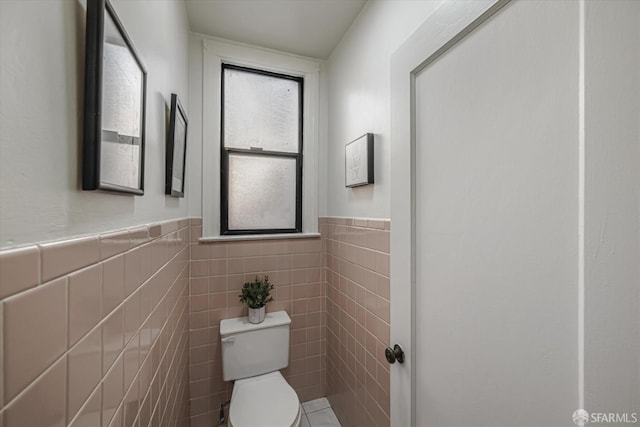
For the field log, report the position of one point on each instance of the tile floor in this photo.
(318, 413)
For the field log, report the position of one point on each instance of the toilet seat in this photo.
(264, 401)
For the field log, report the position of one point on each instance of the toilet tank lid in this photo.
(242, 324)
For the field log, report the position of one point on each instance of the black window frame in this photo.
(225, 152)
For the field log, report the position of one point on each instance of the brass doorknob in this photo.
(393, 354)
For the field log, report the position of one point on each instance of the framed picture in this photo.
(358, 156)
(114, 110)
(176, 149)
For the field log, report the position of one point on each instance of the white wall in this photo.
(354, 99)
(359, 100)
(41, 113)
(612, 227)
(194, 154)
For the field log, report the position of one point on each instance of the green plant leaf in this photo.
(256, 294)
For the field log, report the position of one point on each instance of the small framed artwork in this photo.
(176, 149)
(114, 105)
(359, 161)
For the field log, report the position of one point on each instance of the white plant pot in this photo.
(256, 315)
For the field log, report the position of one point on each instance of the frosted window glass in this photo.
(262, 192)
(261, 111)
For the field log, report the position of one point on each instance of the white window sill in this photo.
(241, 237)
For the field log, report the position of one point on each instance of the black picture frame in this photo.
(176, 155)
(358, 161)
(115, 105)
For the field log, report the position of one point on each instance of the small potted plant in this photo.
(256, 294)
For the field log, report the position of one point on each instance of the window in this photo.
(261, 157)
(239, 151)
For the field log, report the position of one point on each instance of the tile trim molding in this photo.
(102, 246)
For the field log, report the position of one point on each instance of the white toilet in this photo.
(252, 355)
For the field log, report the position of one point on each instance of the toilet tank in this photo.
(254, 349)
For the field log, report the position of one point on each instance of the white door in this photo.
(485, 216)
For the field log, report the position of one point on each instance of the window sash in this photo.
(226, 151)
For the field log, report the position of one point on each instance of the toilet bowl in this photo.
(252, 355)
(266, 400)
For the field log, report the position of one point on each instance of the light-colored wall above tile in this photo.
(359, 101)
(42, 56)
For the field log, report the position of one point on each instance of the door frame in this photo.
(441, 31)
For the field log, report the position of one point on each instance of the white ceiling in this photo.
(304, 27)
